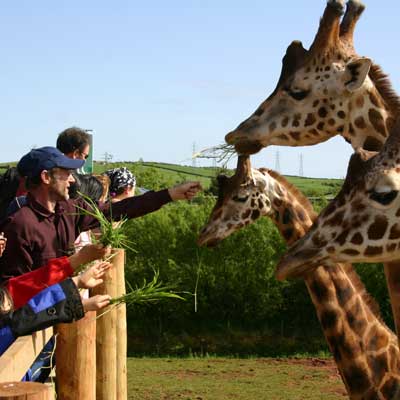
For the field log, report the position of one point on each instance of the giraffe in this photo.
(361, 224)
(322, 92)
(364, 348)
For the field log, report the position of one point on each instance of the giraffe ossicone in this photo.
(322, 92)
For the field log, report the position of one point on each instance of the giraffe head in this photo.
(324, 91)
(253, 193)
(241, 200)
(362, 224)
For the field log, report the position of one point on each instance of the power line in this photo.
(301, 170)
(277, 162)
(194, 158)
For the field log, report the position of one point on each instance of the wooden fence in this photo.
(76, 343)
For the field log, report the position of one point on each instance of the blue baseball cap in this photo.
(45, 158)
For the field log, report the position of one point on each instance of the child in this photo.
(25, 286)
(55, 304)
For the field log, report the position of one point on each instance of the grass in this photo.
(228, 379)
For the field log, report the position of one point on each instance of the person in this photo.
(74, 142)
(3, 242)
(10, 185)
(24, 287)
(122, 183)
(58, 303)
(50, 222)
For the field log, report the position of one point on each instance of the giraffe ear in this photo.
(356, 73)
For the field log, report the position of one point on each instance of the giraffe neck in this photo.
(364, 349)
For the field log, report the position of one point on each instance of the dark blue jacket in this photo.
(57, 303)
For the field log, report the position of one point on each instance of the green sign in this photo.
(88, 166)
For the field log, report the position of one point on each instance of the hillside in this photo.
(169, 174)
(176, 173)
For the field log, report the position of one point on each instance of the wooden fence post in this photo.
(106, 335)
(25, 391)
(122, 389)
(76, 359)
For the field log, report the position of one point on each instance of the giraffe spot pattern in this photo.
(378, 365)
(255, 214)
(373, 250)
(341, 239)
(277, 202)
(287, 216)
(374, 99)
(357, 379)
(322, 112)
(358, 206)
(344, 292)
(394, 232)
(391, 247)
(377, 122)
(341, 114)
(357, 238)
(319, 240)
(358, 325)
(320, 291)
(360, 123)
(310, 120)
(287, 234)
(378, 228)
(372, 144)
(391, 388)
(377, 339)
(360, 102)
(329, 319)
(300, 214)
(295, 135)
(351, 252)
(283, 137)
(336, 219)
(246, 214)
(272, 126)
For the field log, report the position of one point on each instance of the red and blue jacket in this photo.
(59, 303)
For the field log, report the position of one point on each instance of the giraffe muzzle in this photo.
(294, 265)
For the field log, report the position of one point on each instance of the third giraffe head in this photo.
(362, 224)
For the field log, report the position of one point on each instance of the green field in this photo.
(233, 379)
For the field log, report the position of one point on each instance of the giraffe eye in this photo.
(240, 199)
(384, 198)
(298, 94)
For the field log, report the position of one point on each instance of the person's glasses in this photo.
(84, 156)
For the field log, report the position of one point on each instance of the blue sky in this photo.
(152, 78)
